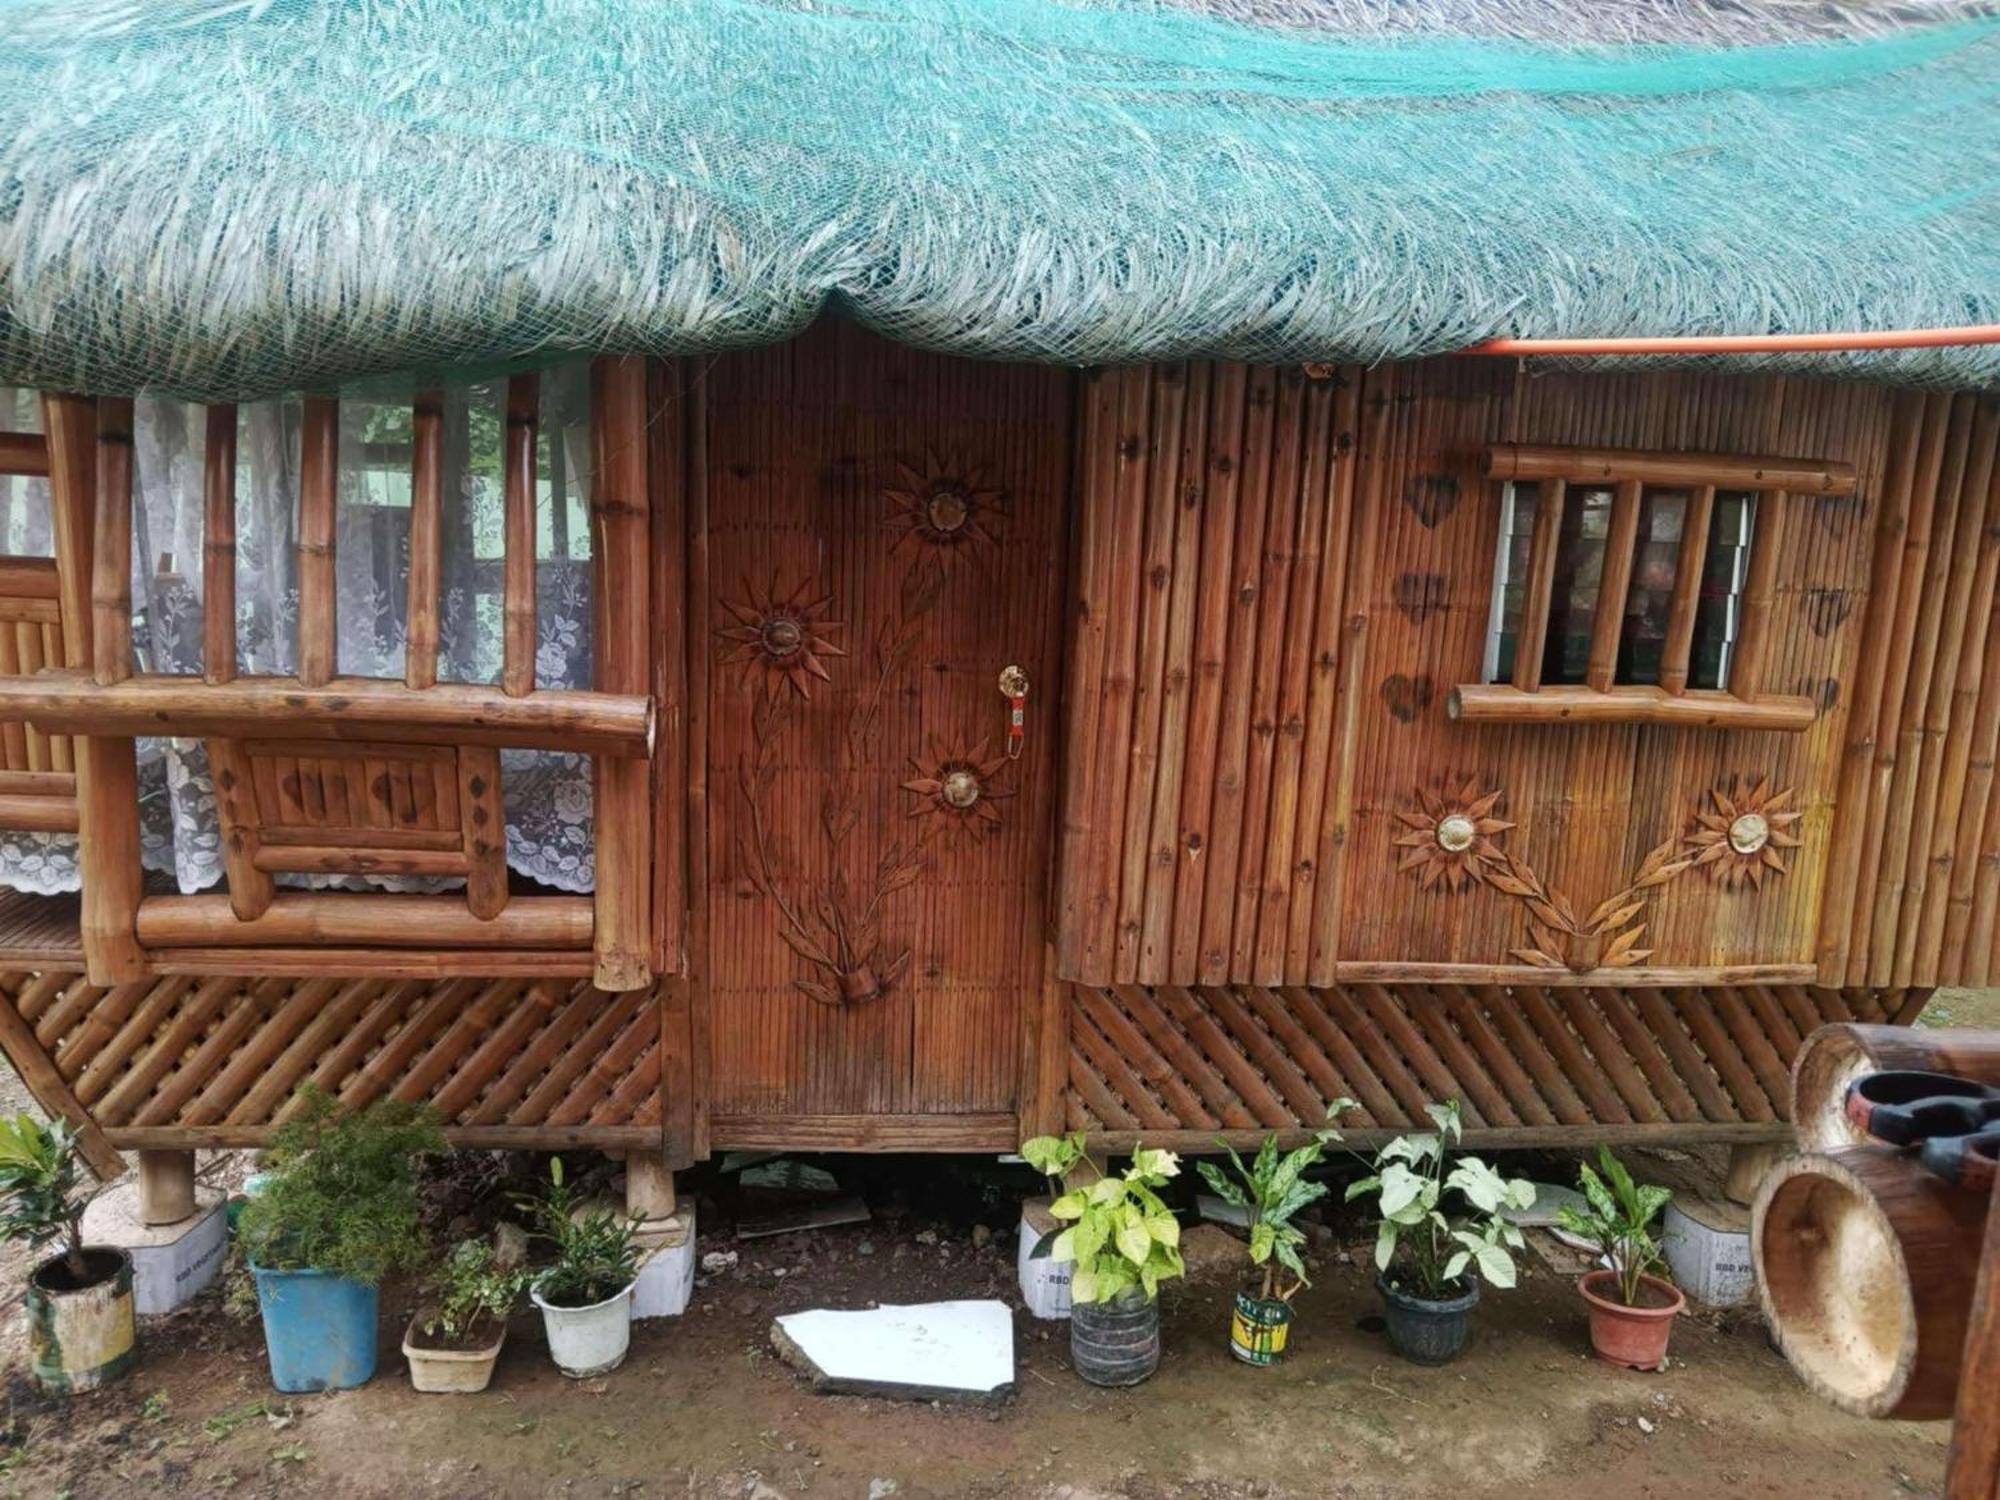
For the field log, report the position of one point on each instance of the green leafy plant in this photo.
(1273, 1188)
(1120, 1233)
(467, 1285)
(596, 1249)
(1415, 1180)
(40, 1199)
(1619, 1222)
(340, 1191)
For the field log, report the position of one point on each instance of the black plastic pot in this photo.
(1426, 1332)
(1115, 1342)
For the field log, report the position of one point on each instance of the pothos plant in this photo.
(1120, 1233)
(1273, 1189)
(1416, 1181)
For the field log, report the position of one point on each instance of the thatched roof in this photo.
(232, 197)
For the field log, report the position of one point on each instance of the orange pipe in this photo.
(1750, 343)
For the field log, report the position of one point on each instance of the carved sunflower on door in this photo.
(784, 636)
(959, 787)
(947, 507)
(1741, 839)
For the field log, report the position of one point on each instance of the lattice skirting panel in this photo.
(220, 1061)
(1529, 1064)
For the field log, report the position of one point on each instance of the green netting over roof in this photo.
(225, 198)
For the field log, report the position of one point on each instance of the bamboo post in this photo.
(649, 1186)
(107, 770)
(1753, 641)
(1607, 626)
(517, 670)
(1974, 1473)
(166, 1186)
(484, 819)
(426, 506)
(1532, 639)
(319, 454)
(218, 547)
(621, 567)
(1686, 602)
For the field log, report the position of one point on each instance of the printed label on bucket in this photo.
(1257, 1330)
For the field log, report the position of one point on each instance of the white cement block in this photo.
(1044, 1282)
(1707, 1244)
(171, 1263)
(666, 1267)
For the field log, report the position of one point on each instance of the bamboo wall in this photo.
(1244, 646)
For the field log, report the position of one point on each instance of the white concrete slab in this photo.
(930, 1351)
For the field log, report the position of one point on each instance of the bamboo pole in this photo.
(24, 453)
(426, 509)
(218, 546)
(390, 921)
(517, 670)
(1734, 471)
(483, 817)
(1686, 603)
(621, 615)
(1607, 625)
(319, 457)
(1628, 703)
(1532, 639)
(344, 709)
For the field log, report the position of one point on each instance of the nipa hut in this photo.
(671, 577)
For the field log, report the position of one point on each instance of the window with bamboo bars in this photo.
(322, 773)
(1634, 586)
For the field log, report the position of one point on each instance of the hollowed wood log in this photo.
(1865, 1266)
(1834, 1056)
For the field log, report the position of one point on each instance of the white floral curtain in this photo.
(549, 837)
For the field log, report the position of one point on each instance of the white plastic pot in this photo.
(586, 1341)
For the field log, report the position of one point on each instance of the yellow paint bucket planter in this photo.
(80, 1332)
(1258, 1329)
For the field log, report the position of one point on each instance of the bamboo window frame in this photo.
(1744, 702)
(95, 695)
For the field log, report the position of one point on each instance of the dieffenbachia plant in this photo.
(1272, 1189)
(1415, 1179)
(1119, 1233)
(1619, 1222)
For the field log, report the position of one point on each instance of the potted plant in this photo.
(1632, 1303)
(336, 1213)
(1124, 1241)
(1272, 1189)
(586, 1294)
(1424, 1254)
(454, 1342)
(79, 1301)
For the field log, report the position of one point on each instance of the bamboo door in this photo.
(884, 538)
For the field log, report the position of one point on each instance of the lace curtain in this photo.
(549, 835)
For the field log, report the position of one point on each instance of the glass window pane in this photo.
(1650, 597)
(1718, 618)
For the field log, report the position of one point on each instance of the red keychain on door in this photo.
(1014, 687)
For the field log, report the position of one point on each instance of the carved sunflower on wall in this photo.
(1449, 839)
(1741, 839)
(946, 506)
(960, 787)
(784, 635)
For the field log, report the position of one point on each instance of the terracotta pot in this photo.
(1635, 1337)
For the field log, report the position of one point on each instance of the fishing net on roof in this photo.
(228, 198)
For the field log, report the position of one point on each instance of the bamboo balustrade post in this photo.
(1747, 670)
(1607, 625)
(1686, 602)
(426, 508)
(218, 546)
(319, 457)
(1532, 639)
(649, 1186)
(621, 566)
(166, 1186)
(107, 769)
(517, 670)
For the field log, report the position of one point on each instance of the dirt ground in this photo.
(704, 1408)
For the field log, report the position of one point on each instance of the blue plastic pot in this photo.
(319, 1330)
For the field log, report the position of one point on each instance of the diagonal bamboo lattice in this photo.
(1178, 1065)
(220, 1061)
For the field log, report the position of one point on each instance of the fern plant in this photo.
(340, 1194)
